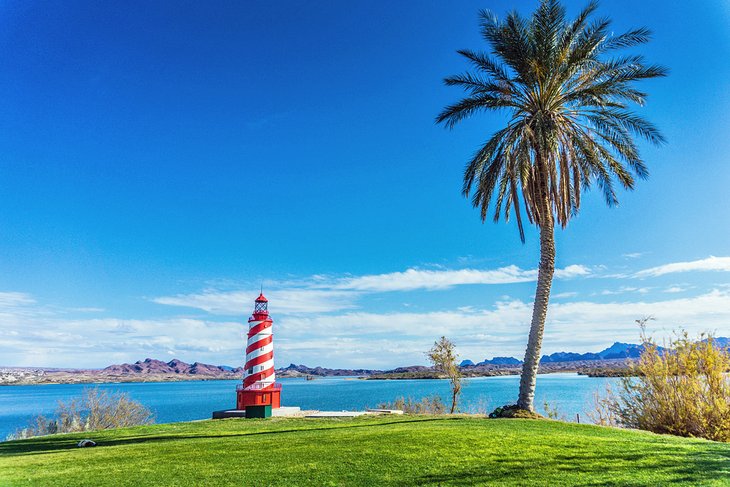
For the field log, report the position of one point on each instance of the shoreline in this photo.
(156, 371)
(187, 378)
(113, 380)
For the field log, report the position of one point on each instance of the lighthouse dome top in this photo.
(262, 299)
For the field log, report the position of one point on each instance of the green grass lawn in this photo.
(372, 451)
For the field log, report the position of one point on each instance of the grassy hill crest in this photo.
(384, 450)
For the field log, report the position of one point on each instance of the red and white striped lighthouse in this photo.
(259, 388)
(259, 368)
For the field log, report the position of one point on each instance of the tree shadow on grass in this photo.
(41, 445)
(680, 467)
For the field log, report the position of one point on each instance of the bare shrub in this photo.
(553, 412)
(603, 413)
(94, 410)
(444, 359)
(682, 389)
(426, 405)
(480, 406)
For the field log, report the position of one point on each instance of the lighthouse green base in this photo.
(258, 411)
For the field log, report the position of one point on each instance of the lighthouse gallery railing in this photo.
(257, 386)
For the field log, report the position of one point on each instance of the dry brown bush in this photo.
(427, 405)
(683, 390)
(94, 410)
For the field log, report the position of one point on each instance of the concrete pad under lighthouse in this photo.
(282, 412)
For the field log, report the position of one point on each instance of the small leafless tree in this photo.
(443, 357)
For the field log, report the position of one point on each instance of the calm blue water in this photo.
(183, 401)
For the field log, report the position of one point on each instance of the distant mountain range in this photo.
(294, 370)
(177, 367)
(723, 342)
(158, 367)
(618, 350)
(151, 370)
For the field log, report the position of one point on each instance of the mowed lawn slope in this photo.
(384, 450)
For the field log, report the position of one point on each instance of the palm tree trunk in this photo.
(540, 307)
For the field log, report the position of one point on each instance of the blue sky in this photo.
(160, 160)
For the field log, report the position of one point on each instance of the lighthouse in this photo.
(259, 393)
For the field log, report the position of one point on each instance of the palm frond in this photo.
(469, 106)
(570, 124)
(631, 38)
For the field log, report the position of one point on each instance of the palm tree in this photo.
(569, 126)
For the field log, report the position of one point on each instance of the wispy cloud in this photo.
(32, 334)
(624, 290)
(632, 255)
(498, 330)
(413, 279)
(568, 294)
(14, 299)
(345, 338)
(232, 303)
(326, 294)
(325, 320)
(711, 263)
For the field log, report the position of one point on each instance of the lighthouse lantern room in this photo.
(259, 393)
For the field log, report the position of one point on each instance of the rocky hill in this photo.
(501, 361)
(148, 370)
(293, 370)
(158, 367)
(618, 350)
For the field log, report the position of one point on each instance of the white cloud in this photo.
(413, 279)
(318, 321)
(709, 264)
(615, 321)
(632, 255)
(322, 294)
(14, 299)
(624, 290)
(351, 338)
(101, 342)
(569, 294)
(435, 279)
(574, 270)
(500, 330)
(235, 303)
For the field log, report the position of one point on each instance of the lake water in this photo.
(571, 394)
